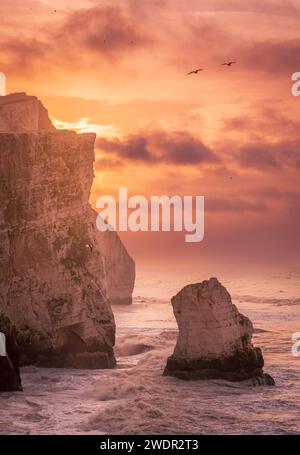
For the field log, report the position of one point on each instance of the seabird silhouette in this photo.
(228, 63)
(195, 71)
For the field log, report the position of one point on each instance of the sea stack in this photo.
(214, 340)
(58, 273)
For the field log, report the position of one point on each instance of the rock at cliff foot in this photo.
(214, 339)
(10, 379)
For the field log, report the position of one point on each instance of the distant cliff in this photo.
(58, 274)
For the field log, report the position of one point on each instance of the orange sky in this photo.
(230, 134)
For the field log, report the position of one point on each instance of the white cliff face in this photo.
(120, 279)
(55, 267)
(214, 339)
(209, 324)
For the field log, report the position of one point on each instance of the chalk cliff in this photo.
(214, 339)
(20, 112)
(57, 272)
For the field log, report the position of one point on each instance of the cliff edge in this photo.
(56, 270)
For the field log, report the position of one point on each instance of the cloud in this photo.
(102, 30)
(264, 139)
(276, 7)
(134, 147)
(264, 122)
(182, 148)
(84, 126)
(201, 34)
(272, 56)
(268, 156)
(99, 36)
(234, 204)
(78, 39)
(24, 53)
(257, 156)
(108, 164)
(177, 148)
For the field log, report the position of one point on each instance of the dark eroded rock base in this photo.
(71, 351)
(10, 379)
(243, 365)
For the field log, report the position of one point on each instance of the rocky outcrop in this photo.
(214, 339)
(56, 269)
(10, 379)
(20, 112)
(120, 280)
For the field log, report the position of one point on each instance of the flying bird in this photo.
(228, 63)
(195, 71)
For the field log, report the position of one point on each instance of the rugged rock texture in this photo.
(214, 338)
(120, 280)
(56, 269)
(20, 112)
(10, 379)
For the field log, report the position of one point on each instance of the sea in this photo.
(135, 397)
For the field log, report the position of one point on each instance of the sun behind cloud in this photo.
(83, 126)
